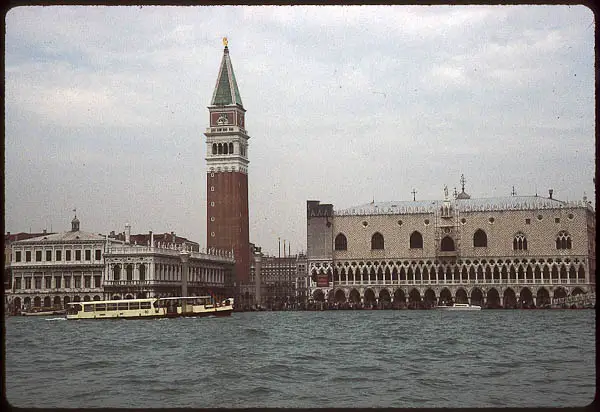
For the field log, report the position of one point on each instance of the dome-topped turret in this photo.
(75, 224)
(463, 195)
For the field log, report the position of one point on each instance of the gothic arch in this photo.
(479, 238)
(377, 242)
(416, 240)
(447, 244)
(341, 243)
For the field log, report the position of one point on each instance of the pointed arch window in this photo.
(447, 244)
(214, 148)
(225, 148)
(520, 242)
(230, 148)
(341, 243)
(479, 238)
(563, 240)
(377, 241)
(416, 240)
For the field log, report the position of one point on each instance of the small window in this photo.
(38, 255)
(212, 174)
(527, 221)
(48, 255)
(38, 283)
(570, 216)
(400, 223)
(479, 239)
(78, 255)
(212, 204)
(111, 306)
(67, 282)
(365, 223)
(557, 220)
(68, 255)
(377, 242)
(100, 307)
(27, 283)
(88, 255)
(58, 255)
(145, 305)
(98, 254)
(426, 221)
(491, 220)
(539, 217)
(87, 281)
(78, 282)
(134, 305)
(88, 308)
(18, 256)
(28, 256)
(463, 220)
(212, 188)
(122, 306)
(341, 243)
(97, 281)
(17, 283)
(212, 218)
(57, 282)
(212, 234)
(416, 240)
(48, 281)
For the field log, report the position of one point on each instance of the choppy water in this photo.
(306, 359)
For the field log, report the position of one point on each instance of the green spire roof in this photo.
(226, 91)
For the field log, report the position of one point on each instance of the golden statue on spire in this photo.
(225, 41)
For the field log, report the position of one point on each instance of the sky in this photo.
(106, 109)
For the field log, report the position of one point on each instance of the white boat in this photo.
(459, 306)
(43, 312)
(149, 308)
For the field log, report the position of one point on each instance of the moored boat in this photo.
(459, 306)
(43, 312)
(150, 308)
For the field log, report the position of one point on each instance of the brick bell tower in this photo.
(227, 171)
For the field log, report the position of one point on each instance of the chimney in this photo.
(127, 233)
(173, 237)
(151, 239)
(550, 192)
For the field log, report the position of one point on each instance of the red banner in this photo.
(322, 280)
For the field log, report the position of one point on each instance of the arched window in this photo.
(479, 238)
(230, 148)
(377, 241)
(117, 272)
(129, 272)
(563, 240)
(225, 148)
(220, 150)
(416, 240)
(520, 242)
(142, 273)
(447, 244)
(214, 148)
(341, 243)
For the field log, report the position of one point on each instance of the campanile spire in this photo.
(227, 170)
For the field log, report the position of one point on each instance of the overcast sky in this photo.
(106, 110)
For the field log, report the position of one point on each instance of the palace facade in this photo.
(515, 251)
(51, 270)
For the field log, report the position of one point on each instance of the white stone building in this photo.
(516, 251)
(52, 270)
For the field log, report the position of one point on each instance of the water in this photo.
(306, 359)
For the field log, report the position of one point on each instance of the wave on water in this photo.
(255, 332)
(55, 319)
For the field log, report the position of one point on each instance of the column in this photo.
(185, 256)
